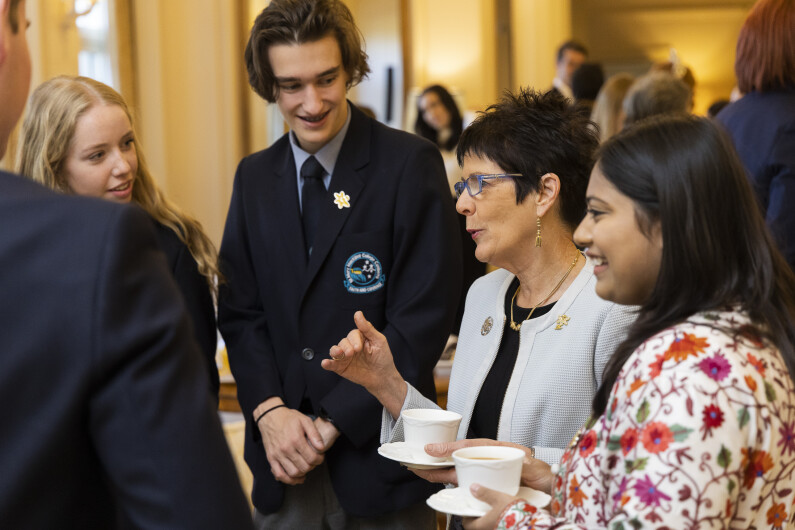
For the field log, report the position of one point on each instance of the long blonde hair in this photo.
(607, 106)
(47, 133)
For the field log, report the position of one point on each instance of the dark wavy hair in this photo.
(536, 133)
(297, 22)
(422, 128)
(765, 58)
(683, 172)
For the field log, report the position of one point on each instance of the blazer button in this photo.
(308, 354)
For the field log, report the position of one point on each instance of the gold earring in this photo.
(538, 231)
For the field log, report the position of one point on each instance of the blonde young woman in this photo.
(78, 138)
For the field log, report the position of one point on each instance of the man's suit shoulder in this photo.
(25, 204)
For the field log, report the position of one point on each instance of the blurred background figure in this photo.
(679, 70)
(439, 120)
(586, 82)
(656, 93)
(571, 55)
(716, 107)
(607, 112)
(762, 122)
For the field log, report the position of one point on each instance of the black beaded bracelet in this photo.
(267, 411)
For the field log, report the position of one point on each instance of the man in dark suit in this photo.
(106, 418)
(342, 213)
(571, 55)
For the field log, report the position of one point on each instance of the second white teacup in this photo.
(427, 426)
(495, 467)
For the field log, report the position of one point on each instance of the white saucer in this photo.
(456, 501)
(401, 452)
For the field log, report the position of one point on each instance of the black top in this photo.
(486, 415)
(196, 294)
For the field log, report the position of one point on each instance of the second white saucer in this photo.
(456, 501)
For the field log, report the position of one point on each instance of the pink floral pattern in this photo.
(699, 433)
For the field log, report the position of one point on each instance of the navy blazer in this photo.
(394, 253)
(106, 421)
(762, 127)
(197, 296)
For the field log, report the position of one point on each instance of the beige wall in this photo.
(537, 29)
(454, 44)
(188, 61)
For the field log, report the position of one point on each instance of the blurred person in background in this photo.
(439, 120)
(714, 109)
(762, 122)
(571, 54)
(654, 94)
(586, 82)
(608, 112)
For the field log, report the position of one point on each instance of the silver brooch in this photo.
(487, 325)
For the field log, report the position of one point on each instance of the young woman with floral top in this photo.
(694, 424)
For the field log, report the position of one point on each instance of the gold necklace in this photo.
(517, 327)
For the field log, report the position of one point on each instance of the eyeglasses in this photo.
(474, 184)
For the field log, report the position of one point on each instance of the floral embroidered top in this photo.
(699, 433)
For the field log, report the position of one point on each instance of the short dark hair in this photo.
(536, 133)
(572, 45)
(683, 172)
(297, 22)
(13, 19)
(422, 128)
(765, 59)
(586, 81)
(716, 107)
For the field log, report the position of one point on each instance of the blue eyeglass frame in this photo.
(464, 184)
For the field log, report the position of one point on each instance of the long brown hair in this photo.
(47, 133)
(682, 172)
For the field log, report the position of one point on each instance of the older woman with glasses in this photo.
(535, 336)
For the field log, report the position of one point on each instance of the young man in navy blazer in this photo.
(341, 213)
(106, 418)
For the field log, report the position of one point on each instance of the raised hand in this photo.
(364, 358)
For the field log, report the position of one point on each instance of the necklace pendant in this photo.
(515, 326)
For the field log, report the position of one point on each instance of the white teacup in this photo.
(495, 467)
(427, 426)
